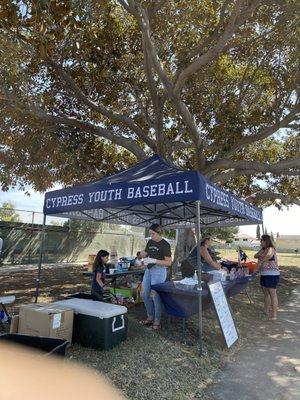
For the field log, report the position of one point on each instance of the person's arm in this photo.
(99, 279)
(267, 253)
(205, 254)
(259, 253)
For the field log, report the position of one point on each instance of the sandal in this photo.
(146, 322)
(156, 327)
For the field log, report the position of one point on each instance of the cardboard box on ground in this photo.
(47, 320)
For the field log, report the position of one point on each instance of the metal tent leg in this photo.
(199, 265)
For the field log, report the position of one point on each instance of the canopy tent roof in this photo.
(152, 191)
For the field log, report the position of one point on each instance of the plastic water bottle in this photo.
(195, 277)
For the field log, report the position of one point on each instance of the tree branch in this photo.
(96, 107)
(225, 176)
(201, 47)
(263, 134)
(152, 10)
(235, 21)
(248, 168)
(257, 166)
(34, 111)
(156, 101)
(271, 196)
(182, 109)
(96, 130)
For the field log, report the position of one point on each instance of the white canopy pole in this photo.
(199, 267)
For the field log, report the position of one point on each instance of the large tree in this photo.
(89, 87)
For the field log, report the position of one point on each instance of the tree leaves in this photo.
(111, 101)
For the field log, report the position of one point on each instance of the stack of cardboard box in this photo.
(48, 320)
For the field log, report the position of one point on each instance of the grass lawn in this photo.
(284, 259)
(157, 365)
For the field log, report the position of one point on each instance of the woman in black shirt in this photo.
(157, 257)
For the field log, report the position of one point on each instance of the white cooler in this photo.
(97, 324)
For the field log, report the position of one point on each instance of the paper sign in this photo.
(56, 321)
(223, 313)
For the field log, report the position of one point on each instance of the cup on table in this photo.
(111, 271)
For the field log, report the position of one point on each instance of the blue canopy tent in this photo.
(152, 191)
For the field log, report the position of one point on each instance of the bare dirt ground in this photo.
(154, 365)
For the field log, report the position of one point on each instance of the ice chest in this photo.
(96, 324)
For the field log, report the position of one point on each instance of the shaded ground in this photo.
(151, 365)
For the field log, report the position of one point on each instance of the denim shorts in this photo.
(269, 281)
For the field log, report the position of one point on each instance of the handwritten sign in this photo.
(223, 313)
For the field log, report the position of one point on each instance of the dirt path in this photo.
(268, 369)
(34, 267)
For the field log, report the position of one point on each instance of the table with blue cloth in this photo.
(184, 303)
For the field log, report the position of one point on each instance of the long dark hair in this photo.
(98, 259)
(204, 240)
(267, 239)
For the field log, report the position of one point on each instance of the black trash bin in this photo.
(44, 344)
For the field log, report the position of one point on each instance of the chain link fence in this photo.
(65, 240)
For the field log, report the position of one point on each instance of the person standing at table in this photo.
(157, 258)
(269, 275)
(208, 259)
(98, 281)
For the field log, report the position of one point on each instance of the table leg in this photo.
(169, 323)
(183, 329)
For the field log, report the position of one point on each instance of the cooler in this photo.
(96, 324)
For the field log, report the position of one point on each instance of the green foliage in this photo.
(50, 134)
(258, 232)
(8, 213)
(226, 233)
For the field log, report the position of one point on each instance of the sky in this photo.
(286, 222)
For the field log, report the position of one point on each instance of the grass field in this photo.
(159, 365)
(284, 259)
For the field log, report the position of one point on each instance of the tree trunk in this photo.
(185, 242)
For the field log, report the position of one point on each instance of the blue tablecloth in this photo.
(184, 303)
